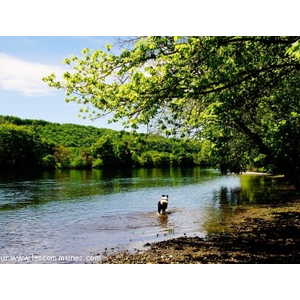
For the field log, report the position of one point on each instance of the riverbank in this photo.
(263, 234)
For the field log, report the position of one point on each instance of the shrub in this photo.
(49, 162)
(98, 163)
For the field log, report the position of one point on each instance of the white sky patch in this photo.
(25, 77)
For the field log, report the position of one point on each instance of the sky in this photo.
(33, 42)
(24, 60)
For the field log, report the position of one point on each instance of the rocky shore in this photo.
(257, 234)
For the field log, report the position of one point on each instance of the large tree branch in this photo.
(267, 41)
(247, 76)
(254, 137)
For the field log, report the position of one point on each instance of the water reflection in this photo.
(252, 190)
(163, 222)
(20, 189)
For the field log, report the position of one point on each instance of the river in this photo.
(73, 216)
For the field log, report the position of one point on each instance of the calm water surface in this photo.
(73, 216)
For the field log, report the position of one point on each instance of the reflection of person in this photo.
(163, 204)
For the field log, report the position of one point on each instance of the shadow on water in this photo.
(253, 190)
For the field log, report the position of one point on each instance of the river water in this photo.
(73, 216)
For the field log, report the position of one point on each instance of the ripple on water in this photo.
(75, 213)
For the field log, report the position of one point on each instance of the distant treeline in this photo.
(38, 143)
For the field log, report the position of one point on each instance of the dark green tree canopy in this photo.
(18, 147)
(242, 93)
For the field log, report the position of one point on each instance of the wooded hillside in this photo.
(42, 144)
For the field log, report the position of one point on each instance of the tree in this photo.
(62, 156)
(19, 147)
(241, 93)
(104, 150)
(49, 162)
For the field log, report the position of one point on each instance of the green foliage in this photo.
(62, 156)
(49, 147)
(240, 93)
(104, 149)
(294, 50)
(69, 135)
(18, 147)
(98, 163)
(49, 162)
(78, 163)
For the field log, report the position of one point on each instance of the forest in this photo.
(26, 143)
(240, 93)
